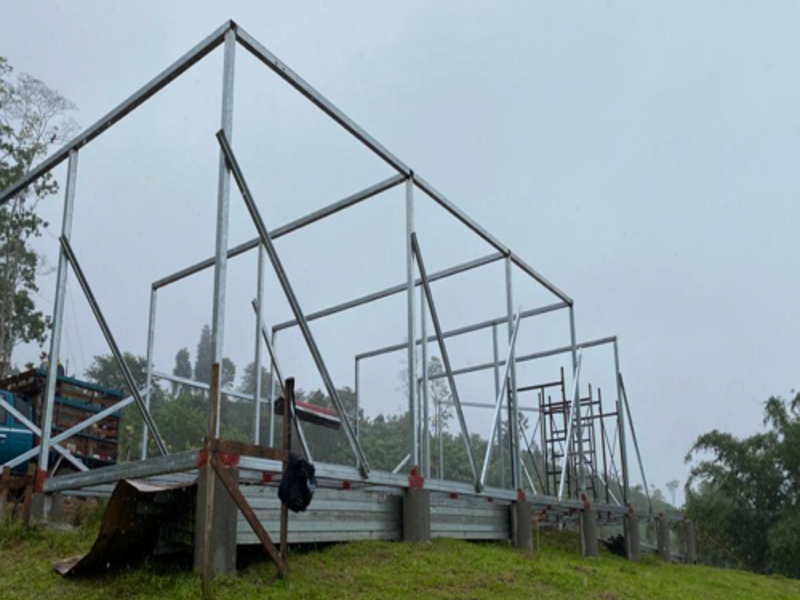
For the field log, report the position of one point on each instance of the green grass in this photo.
(442, 569)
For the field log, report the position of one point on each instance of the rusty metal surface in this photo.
(140, 519)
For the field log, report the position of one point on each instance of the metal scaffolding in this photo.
(570, 469)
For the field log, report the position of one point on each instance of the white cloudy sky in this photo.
(641, 155)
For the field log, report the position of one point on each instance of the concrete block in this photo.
(662, 539)
(633, 548)
(223, 530)
(589, 533)
(416, 515)
(47, 508)
(522, 524)
(689, 543)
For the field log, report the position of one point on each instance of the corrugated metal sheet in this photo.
(334, 516)
(469, 518)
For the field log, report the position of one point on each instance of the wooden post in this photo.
(210, 477)
(287, 446)
(28, 502)
(4, 483)
(250, 516)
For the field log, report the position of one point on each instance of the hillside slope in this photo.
(443, 569)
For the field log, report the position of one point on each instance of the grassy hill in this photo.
(442, 569)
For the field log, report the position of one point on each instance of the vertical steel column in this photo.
(440, 428)
(577, 400)
(58, 320)
(513, 425)
(426, 429)
(223, 201)
(151, 340)
(623, 450)
(257, 358)
(500, 453)
(357, 395)
(272, 385)
(412, 330)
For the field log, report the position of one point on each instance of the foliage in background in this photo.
(745, 496)
(180, 412)
(33, 118)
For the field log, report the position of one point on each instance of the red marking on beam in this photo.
(346, 485)
(520, 495)
(266, 477)
(414, 479)
(38, 483)
(453, 496)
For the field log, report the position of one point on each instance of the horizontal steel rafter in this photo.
(146, 92)
(395, 289)
(112, 344)
(288, 228)
(269, 247)
(38, 432)
(530, 357)
(464, 330)
(76, 429)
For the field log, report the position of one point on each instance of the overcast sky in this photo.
(641, 155)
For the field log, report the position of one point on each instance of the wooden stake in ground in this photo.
(213, 395)
(28, 502)
(5, 480)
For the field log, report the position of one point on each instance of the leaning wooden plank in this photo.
(4, 485)
(28, 502)
(252, 519)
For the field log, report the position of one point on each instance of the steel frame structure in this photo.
(229, 35)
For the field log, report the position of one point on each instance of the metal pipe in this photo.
(286, 229)
(411, 324)
(117, 114)
(223, 209)
(623, 449)
(499, 403)
(58, 315)
(284, 72)
(464, 330)
(151, 340)
(570, 428)
(199, 385)
(65, 435)
(112, 343)
(401, 464)
(257, 357)
(513, 424)
(357, 394)
(445, 358)
(233, 165)
(528, 444)
(276, 368)
(426, 436)
(488, 237)
(391, 291)
(272, 382)
(581, 465)
(528, 476)
(529, 357)
(497, 392)
(489, 405)
(37, 431)
(635, 441)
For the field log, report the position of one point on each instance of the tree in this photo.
(746, 496)
(33, 118)
(183, 368)
(672, 487)
(248, 384)
(202, 364)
